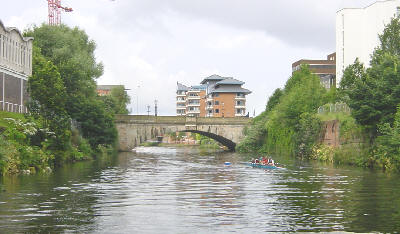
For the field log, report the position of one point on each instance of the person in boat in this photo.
(264, 161)
(271, 162)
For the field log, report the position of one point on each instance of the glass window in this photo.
(216, 102)
(216, 110)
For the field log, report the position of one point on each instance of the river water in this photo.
(186, 190)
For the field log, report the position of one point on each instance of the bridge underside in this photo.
(226, 142)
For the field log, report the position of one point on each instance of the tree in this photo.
(387, 151)
(48, 96)
(71, 51)
(374, 93)
(288, 117)
(121, 100)
(274, 99)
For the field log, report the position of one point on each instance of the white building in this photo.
(358, 30)
(15, 68)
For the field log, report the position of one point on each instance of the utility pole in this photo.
(155, 107)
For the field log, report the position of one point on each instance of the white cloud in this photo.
(155, 43)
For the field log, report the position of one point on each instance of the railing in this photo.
(11, 107)
(337, 107)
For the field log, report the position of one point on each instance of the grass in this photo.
(334, 116)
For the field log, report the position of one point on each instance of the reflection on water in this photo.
(182, 190)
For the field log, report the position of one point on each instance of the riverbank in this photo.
(25, 147)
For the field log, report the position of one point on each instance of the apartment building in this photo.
(325, 69)
(216, 96)
(357, 32)
(181, 93)
(15, 68)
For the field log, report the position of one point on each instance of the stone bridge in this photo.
(136, 129)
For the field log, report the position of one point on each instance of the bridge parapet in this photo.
(150, 119)
(183, 120)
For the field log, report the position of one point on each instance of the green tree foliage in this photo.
(387, 147)
(374, 93)
(121, 99)
(71, 51)
(307, 134)
(117, 101)
(274, 99)
(256, 133)
(281, 128)
(48, 98)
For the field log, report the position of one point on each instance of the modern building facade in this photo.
(216, 96)
(325, 69)
(357, 32)
(15, 68)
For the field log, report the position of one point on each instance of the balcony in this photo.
(193, 97)
(193, 111)
(240, 115)
(193, 104)
(240, 98)
(181, 101)
(181, 107)
(209, 107)
(240, 107)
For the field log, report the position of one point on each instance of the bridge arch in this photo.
(224, 141)
(132, 129)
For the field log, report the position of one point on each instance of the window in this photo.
(398, 11)
(216, 110)
(215, 95)
(216, 102)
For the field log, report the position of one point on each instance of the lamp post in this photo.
(137, 100)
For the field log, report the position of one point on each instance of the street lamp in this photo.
(137, 100)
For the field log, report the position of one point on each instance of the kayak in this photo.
(257, 165)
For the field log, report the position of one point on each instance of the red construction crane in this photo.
(55, 9)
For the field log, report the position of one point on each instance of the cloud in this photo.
(155, 43)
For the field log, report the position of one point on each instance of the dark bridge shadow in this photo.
(226, 142)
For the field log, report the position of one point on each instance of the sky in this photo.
(149, 45)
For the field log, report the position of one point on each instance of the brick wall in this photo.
(226, 107)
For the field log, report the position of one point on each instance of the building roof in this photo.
(198, 87)
(10, 29)
(108, 87)
(230, 81)
(230, 89)
(213, 78)
(181, 87)
(363, 8)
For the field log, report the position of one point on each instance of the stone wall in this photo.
(330, 133)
